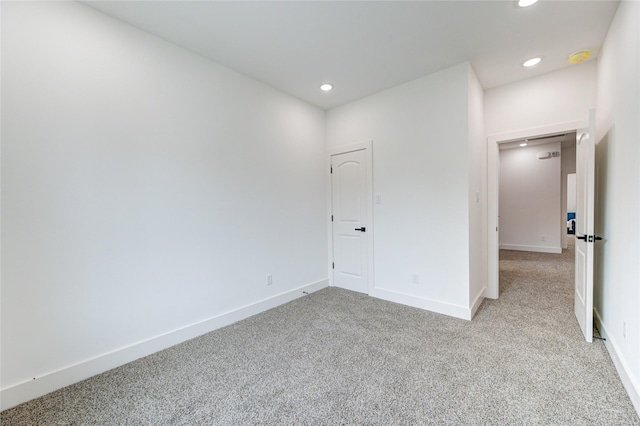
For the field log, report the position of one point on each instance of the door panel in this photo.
(350, 255)
(581, 265)
(585, 189)
(349, 208)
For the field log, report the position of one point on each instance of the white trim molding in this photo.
(54, 380)
(477, 302)
(457, 311)
(538, 249)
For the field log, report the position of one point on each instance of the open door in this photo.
(585, 238)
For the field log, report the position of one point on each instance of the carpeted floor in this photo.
(338, 357)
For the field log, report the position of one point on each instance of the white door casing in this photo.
(585, 237)
(351, 224)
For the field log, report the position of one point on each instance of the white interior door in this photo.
(585, 238)
(350, 221)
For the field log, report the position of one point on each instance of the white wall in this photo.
(530, 199)
(568, 160)
(557, 97)
(144, 190)
(477, 193)
(571, 192)
(617, 274)
(420, 132)
(568, 192)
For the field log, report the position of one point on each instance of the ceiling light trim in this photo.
(526, 3)
(532, 62)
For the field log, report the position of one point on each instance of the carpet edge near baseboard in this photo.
(22, 392)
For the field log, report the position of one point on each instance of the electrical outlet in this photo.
(415, 278)
(269, 279)
(624, 329)
(542, 238)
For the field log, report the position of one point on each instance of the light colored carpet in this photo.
(338, 357)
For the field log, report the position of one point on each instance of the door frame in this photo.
(367, 146)
(493, 171)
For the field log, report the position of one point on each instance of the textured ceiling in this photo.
(365, 47)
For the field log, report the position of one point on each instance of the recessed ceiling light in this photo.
(531, 62)
(526, 3)
(579, 56)
(326, 87)
(523, 144)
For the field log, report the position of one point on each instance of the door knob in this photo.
(363, 229)
(589, 238)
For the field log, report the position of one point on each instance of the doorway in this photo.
(584, 234)
(494, 142)
(536, 257)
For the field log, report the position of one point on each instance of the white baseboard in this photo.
(537, 249)
(456, 311)
(630, 383)
(477, 302)
(54, 380)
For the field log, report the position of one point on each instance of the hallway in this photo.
(525, 271)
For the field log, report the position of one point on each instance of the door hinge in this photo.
(331, 218)
(331, 169)
(333, 265)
